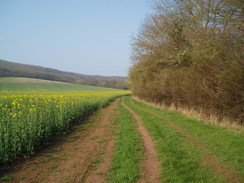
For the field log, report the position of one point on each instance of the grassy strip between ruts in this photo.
(126, 162)
(226, 145)
(180, 160)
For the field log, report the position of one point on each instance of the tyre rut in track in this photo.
(208, 157)
(151, 164)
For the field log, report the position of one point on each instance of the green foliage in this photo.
(6, 178)
(70, 140)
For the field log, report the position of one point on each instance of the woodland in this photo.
(189, 53)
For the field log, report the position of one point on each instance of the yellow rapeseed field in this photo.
(28, 121)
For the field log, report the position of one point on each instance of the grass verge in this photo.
(180, 160)
(225, 144)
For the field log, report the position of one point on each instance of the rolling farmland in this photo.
(123, 141)
(29, 120)
(14, 85)
(123, 91)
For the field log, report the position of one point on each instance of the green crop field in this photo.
(29, 85)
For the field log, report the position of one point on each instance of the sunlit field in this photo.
(16, 85)
(28, 120)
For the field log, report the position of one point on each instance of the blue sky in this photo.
(84, 36)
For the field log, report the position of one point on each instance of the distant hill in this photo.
(11, 69)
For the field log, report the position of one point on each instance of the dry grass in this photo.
(200, 116)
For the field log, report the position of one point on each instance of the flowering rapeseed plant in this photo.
(28, 121)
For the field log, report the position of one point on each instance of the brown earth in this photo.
(151, 165)
(208, 158)
(82, 156)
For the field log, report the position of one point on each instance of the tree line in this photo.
(190, 53)
(108, 83)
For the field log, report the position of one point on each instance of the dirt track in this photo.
(84, 156)
(151, 164)
(208, 158)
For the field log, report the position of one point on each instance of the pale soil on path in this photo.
(82, 156)
(151, 164)
(209, 158)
